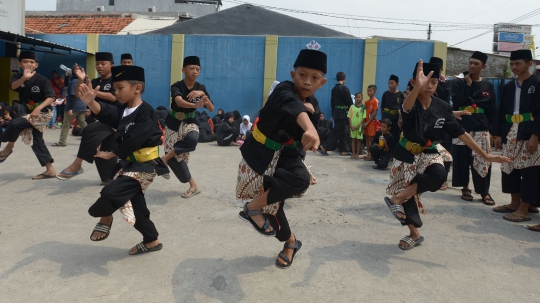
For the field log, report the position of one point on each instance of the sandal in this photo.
(66, 175)
(246, 215)
(366, 158)
(534, 227)
(395, 209)
(43, 177)
(190, 193)
(59, 145)
(517, 218)
(488, 200)
(504, 209)
(412, 243)
(141, 248)
(466, 195)
(4, 158)
(296, 246)
(102, 228)
(444, 186)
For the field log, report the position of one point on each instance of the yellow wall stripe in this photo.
(92, 46)
(177, 57)
(440, 49)
(270, 64)
(370, 63)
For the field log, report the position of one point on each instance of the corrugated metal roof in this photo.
(144, 25)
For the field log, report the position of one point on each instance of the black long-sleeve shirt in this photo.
(482, 94)
(36, 89)
(180, 89)
(529, 103)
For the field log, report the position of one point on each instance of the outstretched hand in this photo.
(79, 72)
(86, 93)
(421, 79)
(460, 113)
(28, 73)
(498, 159)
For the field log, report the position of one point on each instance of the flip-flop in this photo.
(246, 216)
(70, 174)
(193, 193)
(412, 243)
(530, 227)
(395, 208)
(296, 246)
(58, 145)
(324, 153)
(521, 218)
(5, 157)
(141, 249)
(504, 209)
(102, 228)
(42, 177)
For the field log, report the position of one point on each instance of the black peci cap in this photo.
(429, 67)
(394, 77)
(522, 54)
(480, 56)
(192, 60)
(103, 56)
(311, 59)
(126, 57)
(27, 55)
(127, 73)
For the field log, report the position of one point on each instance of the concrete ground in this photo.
(350, 251)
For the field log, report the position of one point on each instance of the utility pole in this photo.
(429, 32)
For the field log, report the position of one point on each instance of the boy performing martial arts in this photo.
(138, 137)
(36, 94)
(182, 128)
(476, 95)
(272, 169)
(518, 128)
(418, 165)
(95, 135)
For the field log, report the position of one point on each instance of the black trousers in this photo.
(180, 169)
(338, 137)
(380, 157)
(14, 129)
(115, 195)
(463, 163)
(525, 182)
(204, 136)
(227, 139)
(431, 180)
(290, 178)
(94, 135)
(395, 131)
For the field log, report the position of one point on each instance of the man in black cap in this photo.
(272, 169)
(391, 102)
(126, 59)
(341, 101)
(418, 165)
(138, 137)
(96, 134)
(517, 130)
(477, 96)
(36, 94)
(182, 131)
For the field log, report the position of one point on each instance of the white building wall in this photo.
(134, 6)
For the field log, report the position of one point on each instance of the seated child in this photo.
(381, 148)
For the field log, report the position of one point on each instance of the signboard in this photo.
(508, 46)
(513, 37)
(512, 28)
(12, 16)
(14, 65)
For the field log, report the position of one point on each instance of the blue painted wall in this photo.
(346, 55)
(2, 49)
(399, 58)
(49, 62)
(153, 53)
(232, 68)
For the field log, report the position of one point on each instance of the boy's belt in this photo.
(32, 105)
(271, 144)
(390, 111)
(181, 115)
(341, 106)
(472, 110)
(144, 154)
(518, 118)
(415, 148)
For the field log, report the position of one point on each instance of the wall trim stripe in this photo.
(270, 64)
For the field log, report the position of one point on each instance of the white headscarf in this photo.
(244, 128)
(272, 87)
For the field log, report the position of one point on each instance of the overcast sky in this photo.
(452, 21)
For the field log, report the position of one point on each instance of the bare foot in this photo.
(133, 250)
(96, 235)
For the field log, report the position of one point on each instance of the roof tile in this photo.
(77, 24)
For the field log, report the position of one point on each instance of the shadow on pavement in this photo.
(215, 278)
(75, 259)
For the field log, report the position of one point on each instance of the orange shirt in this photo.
(371, 106)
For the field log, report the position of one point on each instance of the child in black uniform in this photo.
(138, 137)
(418, 165)
(37, 94)
(272, 169)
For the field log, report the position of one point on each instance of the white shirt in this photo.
(129, 111)
(517, 98)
